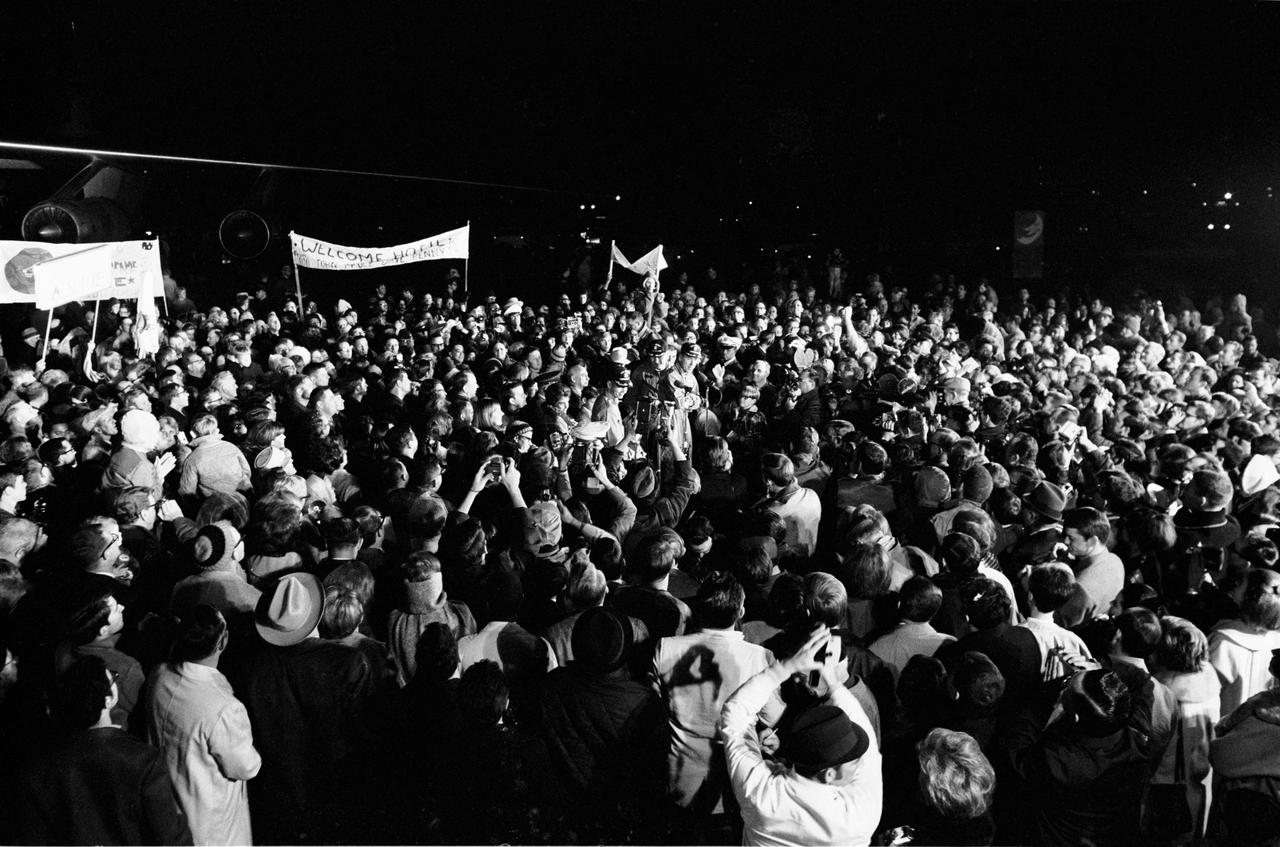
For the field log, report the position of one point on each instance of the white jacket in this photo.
(208, 745)
(1240, 653)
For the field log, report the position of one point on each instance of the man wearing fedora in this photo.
(1045, 504)
(302, 695)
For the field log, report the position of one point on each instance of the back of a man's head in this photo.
(652, 561)
(419, 567)
(1051, 586)
(199, 634)
(88, 543)
(81, 693)
(341, 534)
(986, 604)
(1139, 632)
(1261, 603)
(720, 601)
(777, 470)
(436, 653)
(826, 599)
(919, 599)
(483, 694)
(1099, 703)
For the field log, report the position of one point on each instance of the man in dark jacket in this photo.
(604, 728)
(101, 785)
(1013, 649)
(302, 694)
(1086, 766)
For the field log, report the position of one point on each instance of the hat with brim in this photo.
(824, 736)
(1047, 500)
(289, 611)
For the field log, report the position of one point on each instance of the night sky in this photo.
(904, 121)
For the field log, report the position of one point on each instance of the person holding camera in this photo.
(831, 790)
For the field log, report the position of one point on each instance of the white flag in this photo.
(647, 265)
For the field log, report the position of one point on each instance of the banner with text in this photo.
(122, 269)
(321, 255)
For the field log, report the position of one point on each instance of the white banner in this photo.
(123, 269)
(321, 255)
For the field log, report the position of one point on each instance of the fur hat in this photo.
(139, 427)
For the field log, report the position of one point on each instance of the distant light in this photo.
(997, 248)
(1226, 196)
(1144, 192)
(593, 207)
(617, 198)
(582, 208)
(751, 202)
(1205, 203)
(1226, 226)
(1210, 226)
(1193, 185)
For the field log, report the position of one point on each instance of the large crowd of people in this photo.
(693, 562)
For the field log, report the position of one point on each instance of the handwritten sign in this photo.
(52, 274)
(321, 255)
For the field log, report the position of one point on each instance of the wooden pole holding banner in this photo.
(48, 324)
(48, 330)
(87, 367)
(466, 264)
(608, 279)
(297, 281)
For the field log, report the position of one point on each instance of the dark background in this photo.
(907, 132)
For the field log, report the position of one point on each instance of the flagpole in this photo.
(87, 367)
(608, 280)
(466, 264)
(48, 330)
